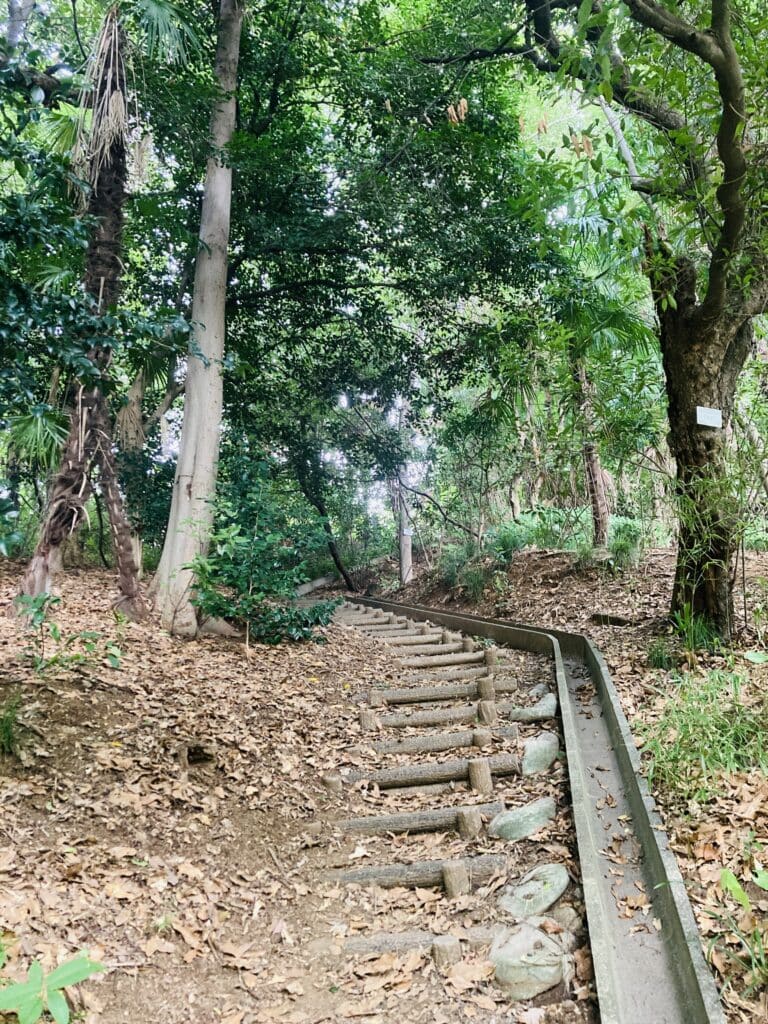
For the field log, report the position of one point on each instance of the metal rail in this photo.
(649, 967)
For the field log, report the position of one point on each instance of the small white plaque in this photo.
(407, 532)
(706, 417)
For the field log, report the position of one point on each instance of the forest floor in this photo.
(166, 810)
(719, 822)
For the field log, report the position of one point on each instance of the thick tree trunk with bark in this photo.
(89, 444)
(191, 515)
(702, 363)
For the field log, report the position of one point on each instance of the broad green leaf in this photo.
(756, 657)
(15, 995)
(35, 974)
(73, 972)
(57, 1007)
(31, 1012)
(732, 885)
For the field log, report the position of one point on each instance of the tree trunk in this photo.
(405, 531)
(702, 364)
(191, 515)
(598, 501)
(90, 439)
(129, 431)
(595, 478)
(308, 477)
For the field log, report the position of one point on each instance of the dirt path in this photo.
(168, 814)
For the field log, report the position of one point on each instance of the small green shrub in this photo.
(704, 730)
(625, 542)
(43, 994)
(453, 558)
(659, 654)
(74, 649)
(250, 579)
(694, 630)
(9, 724)
(509, 538)
(473, 579)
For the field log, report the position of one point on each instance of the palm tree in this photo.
(89, 443)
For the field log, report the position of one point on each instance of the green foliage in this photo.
(9, 713)
(256, 559)
(147, 481)
(10, 537)
(694, 630)
(37, 436)
(43, 993)
(72, 649)
(509, 538)
(749, 930)
(625, 542)
(453, 559)
(659, 654)
(704, 731)
(474, 577)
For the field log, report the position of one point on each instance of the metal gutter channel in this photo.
(644, 974)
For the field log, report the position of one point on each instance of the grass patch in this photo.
(705, 730)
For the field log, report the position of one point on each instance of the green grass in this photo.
(705, 730)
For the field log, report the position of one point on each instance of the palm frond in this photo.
(53, 277)
(166, 33)
(38, 435)
(63, 126)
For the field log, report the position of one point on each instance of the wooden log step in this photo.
(436, 789)
(424, 774)
(403, 942)
(422, 694)
(422, 874)
(448, 675)
(442, 741)
(485, 688)
(444, 819)
(416, 640)
(402, 652)
(441, 660)
(385, 631)
(389, 942)
(440, 716)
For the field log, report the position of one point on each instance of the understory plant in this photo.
(49, 646)
(746, 930)
(42, 994)
(705, 730)
(255, 561)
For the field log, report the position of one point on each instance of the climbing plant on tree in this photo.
(695, 79)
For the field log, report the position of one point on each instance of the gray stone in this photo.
(535, 892)
(522, 821)
(527, 961)
(544, 708)
(539, 690)
(568, 918)
(539, 752)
